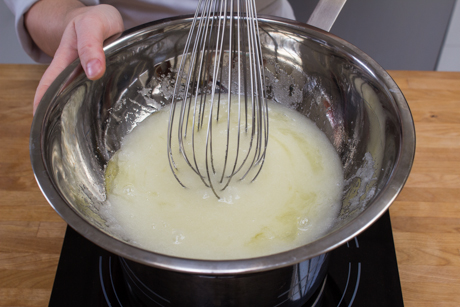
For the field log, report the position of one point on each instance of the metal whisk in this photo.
(220, 85)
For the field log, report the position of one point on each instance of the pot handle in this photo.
(325, 14)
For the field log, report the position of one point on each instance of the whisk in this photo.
(218, 121)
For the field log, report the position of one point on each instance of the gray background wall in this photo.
(398, 34)
(10, 49)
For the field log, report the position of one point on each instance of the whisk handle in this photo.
(325, 14)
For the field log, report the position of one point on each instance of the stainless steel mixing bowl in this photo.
(79, 125)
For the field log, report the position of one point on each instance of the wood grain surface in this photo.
(425, 216)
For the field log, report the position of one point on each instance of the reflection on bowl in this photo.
(79, 125)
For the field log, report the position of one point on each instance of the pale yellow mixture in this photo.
(293, 201)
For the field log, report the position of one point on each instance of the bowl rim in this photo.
(224, 267)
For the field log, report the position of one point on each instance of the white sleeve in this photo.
(280, 8)
(19, 8)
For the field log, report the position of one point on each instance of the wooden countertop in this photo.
(425, 216)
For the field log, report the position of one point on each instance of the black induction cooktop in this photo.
(362, 272)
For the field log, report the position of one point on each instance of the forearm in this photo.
(46, 21)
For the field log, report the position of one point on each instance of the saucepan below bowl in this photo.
(79, 125)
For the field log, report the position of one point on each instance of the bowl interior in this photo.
(80, 123)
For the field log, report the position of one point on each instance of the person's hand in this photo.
(85, 30)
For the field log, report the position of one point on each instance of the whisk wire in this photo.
(209, 157)
(222, 55)
(198, 55)
(238, 53)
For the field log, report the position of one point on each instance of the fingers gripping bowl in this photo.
(79, 125)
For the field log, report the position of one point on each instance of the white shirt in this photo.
(133, 12)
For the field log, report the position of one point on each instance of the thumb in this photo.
(91, 31)
(92, 57)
